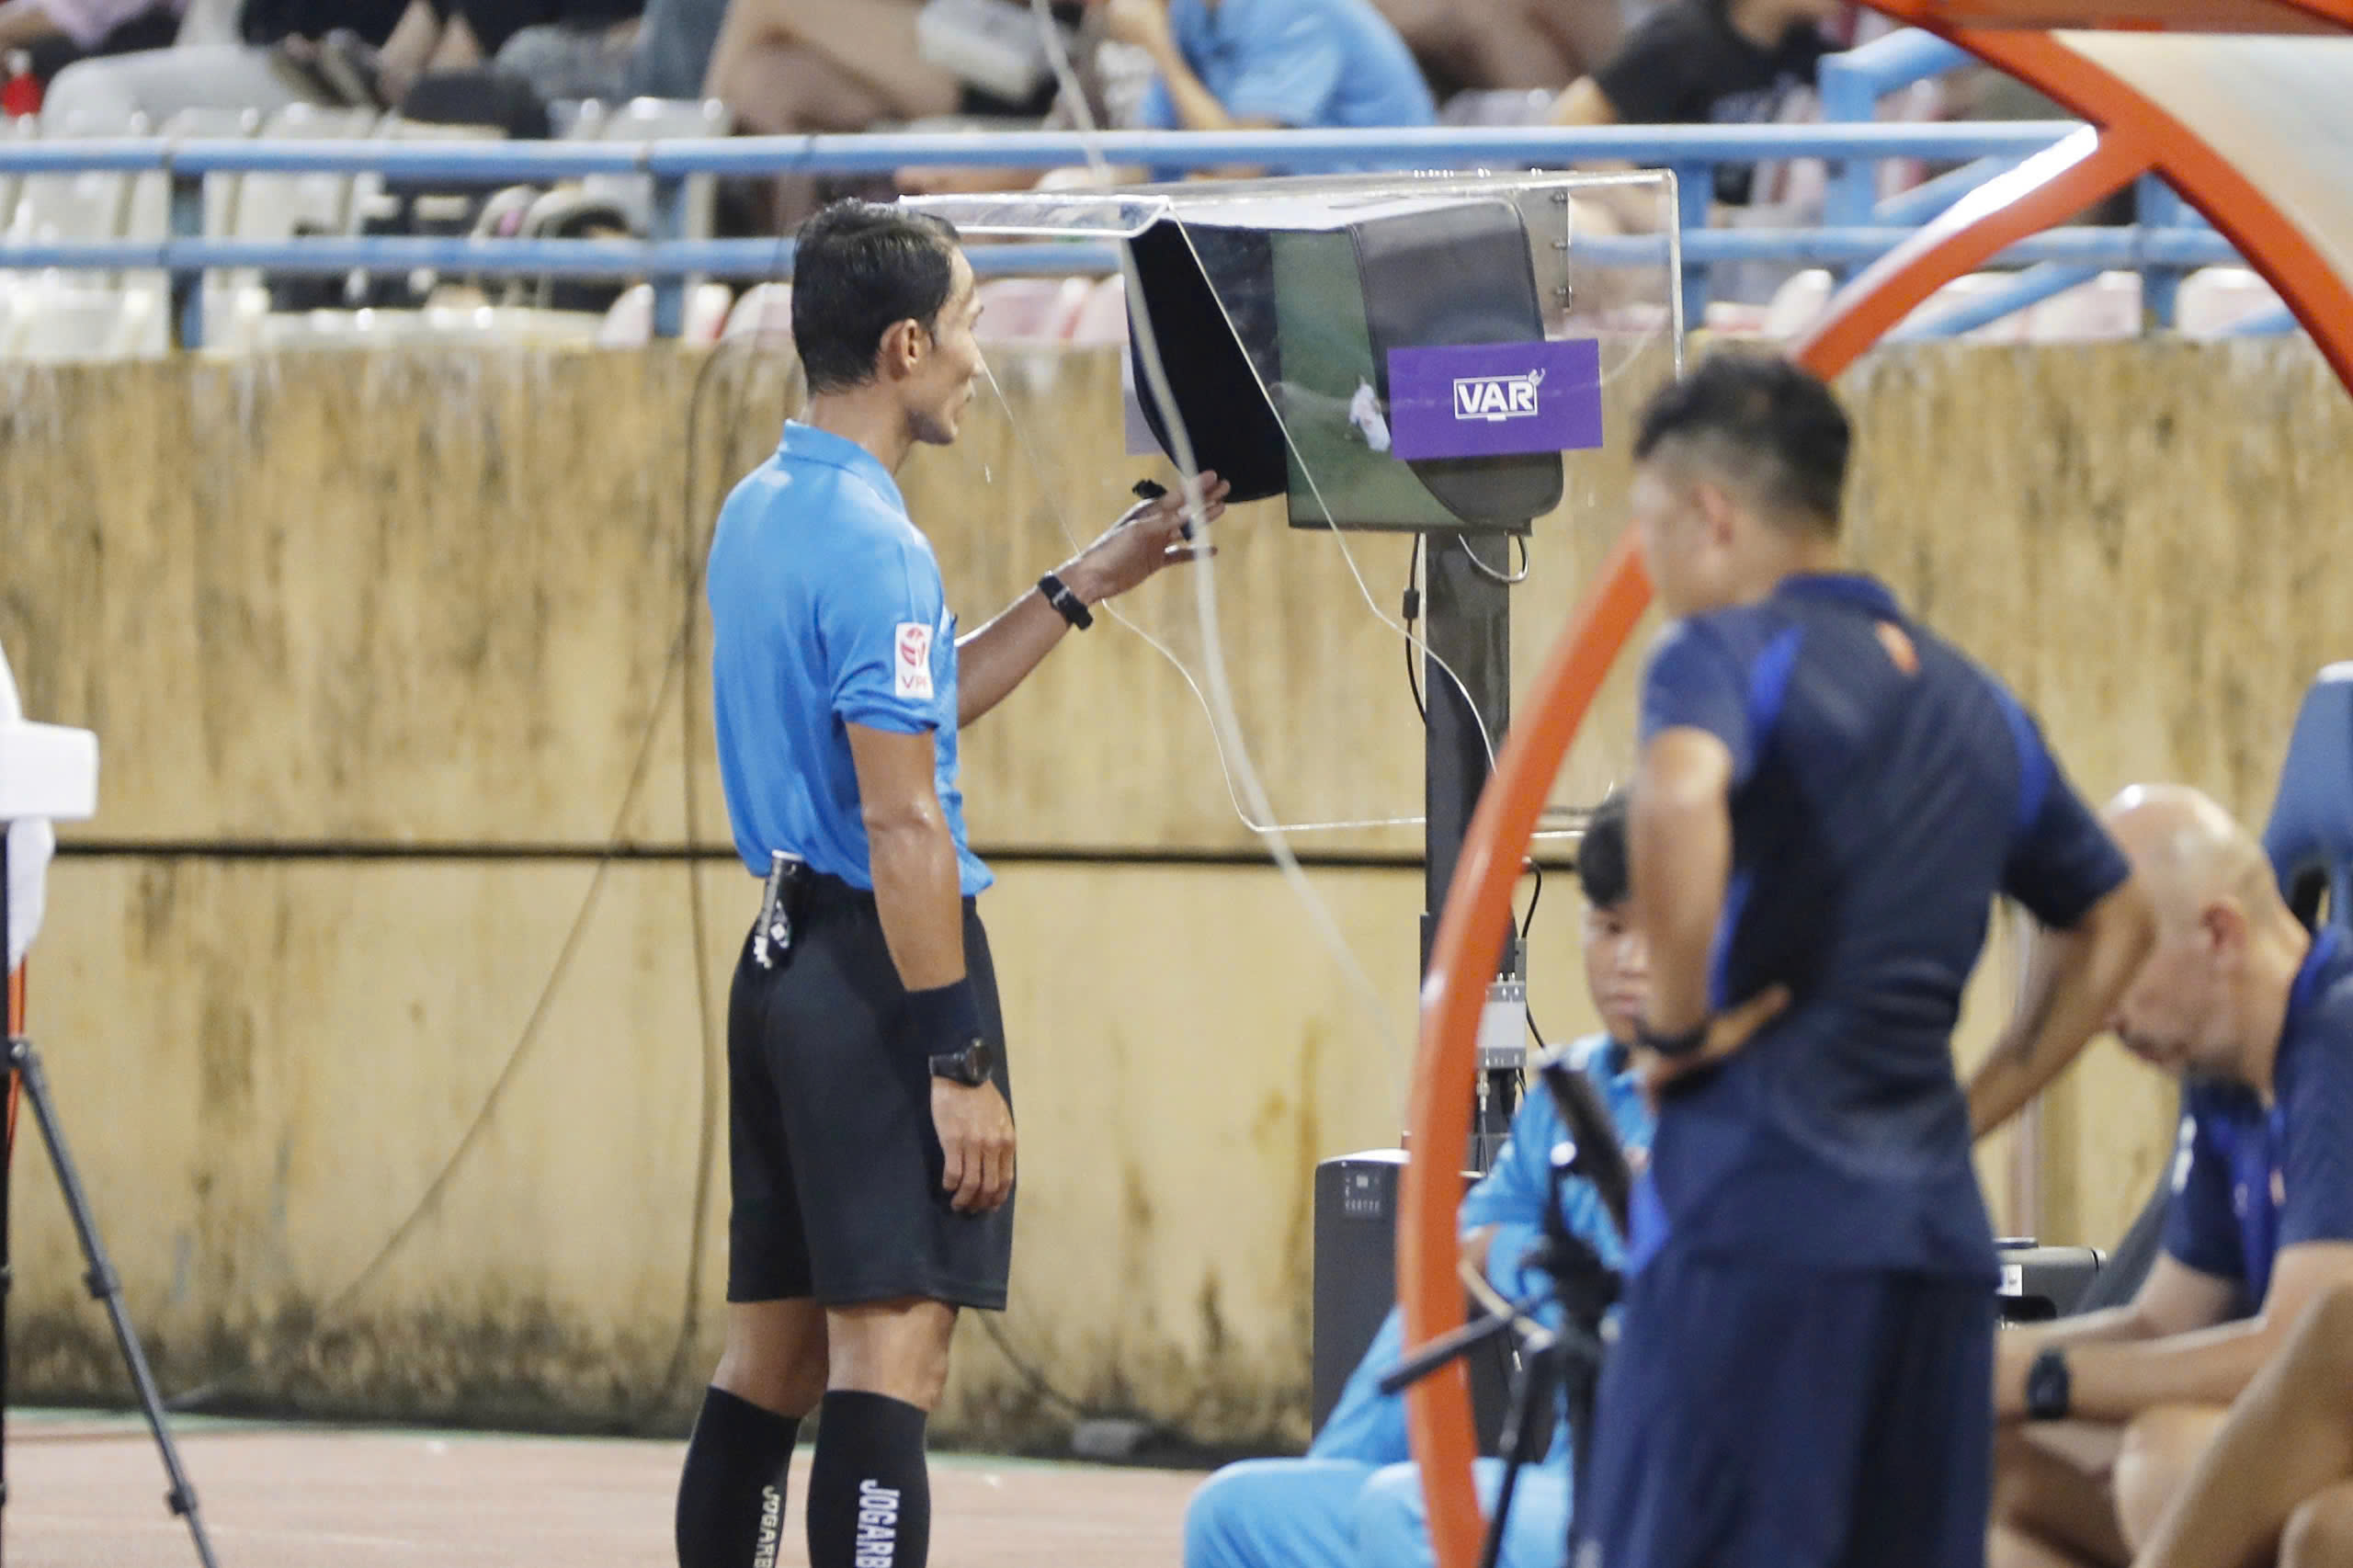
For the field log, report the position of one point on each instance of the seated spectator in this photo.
(273, 67)
(1237, 65)
(1113, 80)
(1705, 62)
(55, 34)
(1355, 1499)
(2278, 1479)
(2101, 1416)
(1470, 46)
(341, 53)
(786, 67)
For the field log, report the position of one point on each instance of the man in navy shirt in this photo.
(1828, 800)
(2103, 1415)
(871, 1142)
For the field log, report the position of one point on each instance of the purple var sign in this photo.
(1485, 400)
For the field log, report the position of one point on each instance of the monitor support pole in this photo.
(1469, 627)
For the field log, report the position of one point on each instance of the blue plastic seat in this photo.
(2310, 836)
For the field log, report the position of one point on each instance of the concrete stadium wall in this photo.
(384, 650)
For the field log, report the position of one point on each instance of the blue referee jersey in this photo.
(826, 610)
(2251, 1178)
(1884, 788)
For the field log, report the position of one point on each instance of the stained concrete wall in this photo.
(419, 615)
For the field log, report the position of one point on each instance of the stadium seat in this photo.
(2310, 836)
(1498, 106)
(150, 215)
(2107, 307)
(2213, 299)
(64, 317)
(1103, 316)
(1030, 310)
(764, 312)
(1798, 304)
(87, 206)
(271, 207)
(628, 322)
(706, 313)
(25, 127)
(2011, 328)
(655, 119)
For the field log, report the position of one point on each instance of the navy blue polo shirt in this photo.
(2251, 1178)
(826, 610)
(1885, 790)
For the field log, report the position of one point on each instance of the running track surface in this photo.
(87, 1492)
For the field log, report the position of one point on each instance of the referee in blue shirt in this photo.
(871, 1140)
(1829, 798)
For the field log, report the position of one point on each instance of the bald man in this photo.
(2102, 1415)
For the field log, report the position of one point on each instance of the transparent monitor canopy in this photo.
(1383, 368)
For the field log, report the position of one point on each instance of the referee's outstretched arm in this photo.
(1152, 534)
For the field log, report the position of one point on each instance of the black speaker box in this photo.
(1356, 1284)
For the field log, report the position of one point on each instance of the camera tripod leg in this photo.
(1531, 1397)
(107, 1289)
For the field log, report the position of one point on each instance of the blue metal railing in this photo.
(668, 257)
(1851, 85)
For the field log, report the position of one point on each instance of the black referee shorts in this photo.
(834, 1163)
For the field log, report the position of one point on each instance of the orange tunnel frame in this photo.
(2128, 135)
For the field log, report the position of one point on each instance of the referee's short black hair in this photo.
(1602, 853)
(858, 268)
(1759, 420)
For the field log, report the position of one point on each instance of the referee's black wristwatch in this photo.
(2049, 1395)
(1067, 605)
(947, 1023)
(969, 1066)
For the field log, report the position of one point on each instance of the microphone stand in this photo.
(22, 1062)
(1583, 1288)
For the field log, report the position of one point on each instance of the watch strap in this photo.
(1066, 604)
(2049, 1391)
(969, 1066)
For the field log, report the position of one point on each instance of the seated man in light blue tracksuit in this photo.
(1355, 1499)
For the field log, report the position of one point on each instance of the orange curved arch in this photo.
(2136, 134)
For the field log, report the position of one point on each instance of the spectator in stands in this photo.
(1355, 1499)
(1468, 46)
(268, 70)
(1228, 65)
(1113, 80)
(346, 54)
(2102, 1415)
(55, 34)
(1236, 65)
(2278, 1479)
(790, 66)
(1705, 62)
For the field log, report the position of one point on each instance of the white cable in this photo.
(1224, 718)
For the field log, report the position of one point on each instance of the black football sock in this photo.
(730, 1497)
(869, 1494)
